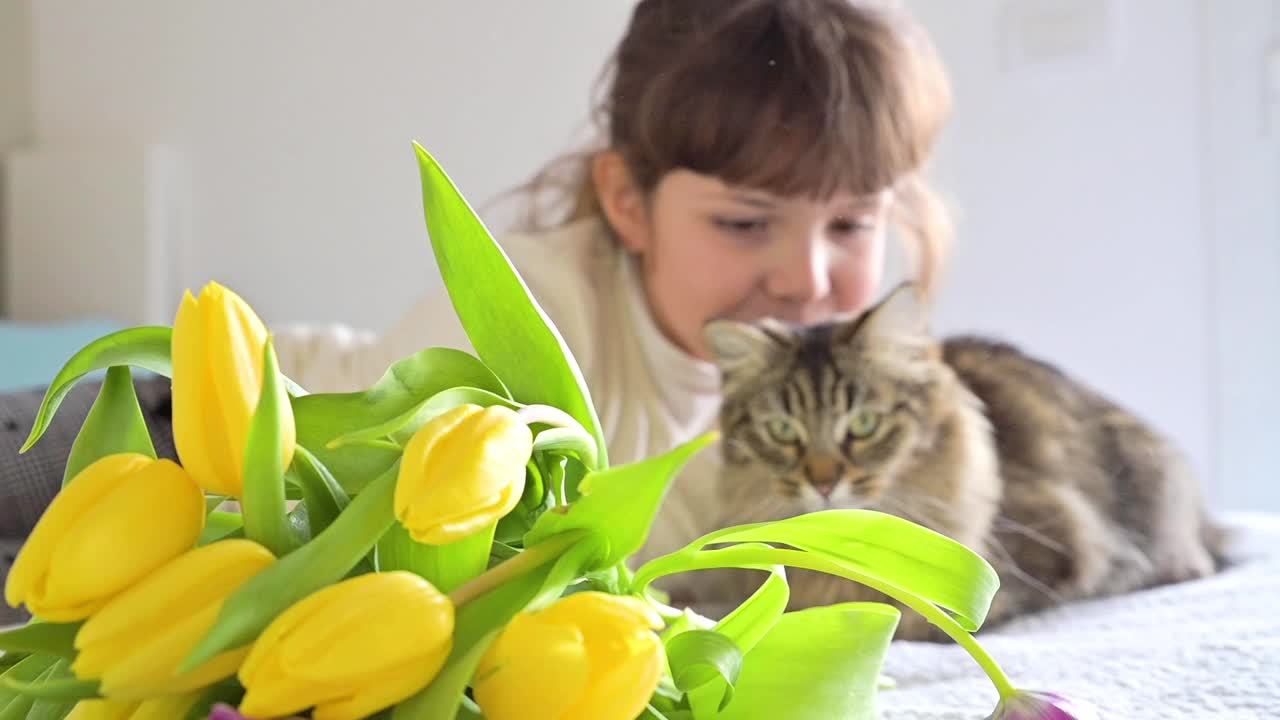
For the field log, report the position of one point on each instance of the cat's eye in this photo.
(782, 429)
(863, 423)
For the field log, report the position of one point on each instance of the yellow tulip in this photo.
(218, 374)
(166, 707)
(350, 649)
(588, 656)
(103, 710)
(461, 472)
(135, 644)
(117, 521)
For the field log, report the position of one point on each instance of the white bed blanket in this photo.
(1208, 649)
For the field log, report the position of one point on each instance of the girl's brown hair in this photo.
(789, 96)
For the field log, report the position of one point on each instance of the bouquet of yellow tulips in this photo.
(449, 543)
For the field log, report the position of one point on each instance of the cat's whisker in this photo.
(1011, 567)
(1031, 533)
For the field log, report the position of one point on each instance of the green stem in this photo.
(531, 559)
(761, 559)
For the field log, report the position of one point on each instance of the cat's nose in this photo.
(822, 474)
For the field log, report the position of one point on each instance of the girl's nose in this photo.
(801, 276)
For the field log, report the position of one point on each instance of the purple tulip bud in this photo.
(225, 712)
(1041, 706)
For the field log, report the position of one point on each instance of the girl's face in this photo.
(710, 251)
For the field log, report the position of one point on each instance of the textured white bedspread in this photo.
(1208, 649)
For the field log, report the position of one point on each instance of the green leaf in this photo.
(753, 619)
(745, 627)
(326, 559)
(220, 526)
(504, 322)
(53, 683)
(816, 664)
(469, 710)
(904, 560)
(323, 417)
(14, 705)
(228, 692)
(697, 657)
(263, 504)
(56, 639)
(446, 567)
(652, 713)
(144, 347)
(402, 427)
(321, 493)
(114, 425)
(567, 442)
(50, 710)
(619, 504)
(443, 697)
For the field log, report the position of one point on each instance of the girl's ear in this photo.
(622, 201)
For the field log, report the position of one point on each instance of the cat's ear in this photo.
(901, 318)
(901, 313)
(741, 349)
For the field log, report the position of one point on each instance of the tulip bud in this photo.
(1041, 706)
(350, 649)
(135, 644)
(587, 656)
(462, 472)
(119, 519)
(218, 367)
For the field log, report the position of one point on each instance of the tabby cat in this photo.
(1066, 494)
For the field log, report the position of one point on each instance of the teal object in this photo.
(31, 353)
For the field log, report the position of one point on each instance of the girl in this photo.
(757, 154)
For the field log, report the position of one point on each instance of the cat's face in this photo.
(824, 417)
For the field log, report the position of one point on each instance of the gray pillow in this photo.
(29, 481)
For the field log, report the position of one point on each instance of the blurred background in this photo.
(1114, 165)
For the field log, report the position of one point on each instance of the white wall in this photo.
(1242, 200)
(295, 119)
(1078, 186)
(15, 97)
(1106, 222)
(15, 72)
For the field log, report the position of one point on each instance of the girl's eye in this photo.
(850, 226)
(742, 226)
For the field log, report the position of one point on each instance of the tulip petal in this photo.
(374, 692)
(323, 651)
(235, 337)
(535, 669)
(623, 680)
(102, 710)
(135, 644)
(123, 538)
(167, 707)
(190, 378)
(198, 578)
(31, 567)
